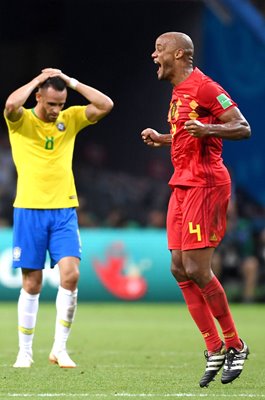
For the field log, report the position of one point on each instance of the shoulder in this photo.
(212, 91)
(210, 86)
(18, 118)
(75, 112)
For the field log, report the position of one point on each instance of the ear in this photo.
(37, 95)
(179, 53)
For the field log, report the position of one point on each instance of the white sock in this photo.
(66, 303)
(28, 305)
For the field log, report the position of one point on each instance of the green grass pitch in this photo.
(128, 350)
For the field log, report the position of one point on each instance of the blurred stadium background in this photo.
(122, 184)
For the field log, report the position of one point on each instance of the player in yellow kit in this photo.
(45, 219)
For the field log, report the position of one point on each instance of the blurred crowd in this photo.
(239, 260)
(118, 199)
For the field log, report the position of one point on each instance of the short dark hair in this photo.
(55, 82)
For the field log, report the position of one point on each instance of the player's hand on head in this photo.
(65, 77)
(52, 70)
(43, 76)
(47, 73)
(56, 72)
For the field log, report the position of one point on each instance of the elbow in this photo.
(108, 106)
(10, 107)
(247, 132)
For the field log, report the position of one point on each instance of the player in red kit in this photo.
(201, 114)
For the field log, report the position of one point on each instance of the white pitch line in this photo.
(150, 395)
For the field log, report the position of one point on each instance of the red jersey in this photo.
(197, 161)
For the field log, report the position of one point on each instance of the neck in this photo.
(38, 114)
(182, 75)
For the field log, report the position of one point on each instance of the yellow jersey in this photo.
(43, 154)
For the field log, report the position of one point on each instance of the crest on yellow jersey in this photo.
(60, 126)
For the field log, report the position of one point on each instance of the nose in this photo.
(56, 109)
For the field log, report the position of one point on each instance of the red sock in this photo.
(215, 297)
(201, 315)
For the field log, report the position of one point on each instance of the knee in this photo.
(32, 287)
(195, 273)
(192, 271)
(181, 271)
(70, 280)
(32, 281)
(177, 269)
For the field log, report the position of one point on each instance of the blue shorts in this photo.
(37, 231)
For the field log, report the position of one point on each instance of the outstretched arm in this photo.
(14, 103)
(234, 126)
(99, 103)
(154, 139)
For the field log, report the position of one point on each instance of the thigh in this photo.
(64, 235)
(30, 238)
(204, 216)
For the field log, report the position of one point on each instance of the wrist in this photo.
(36, 82)
(73, 83)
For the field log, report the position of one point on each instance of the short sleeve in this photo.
(214, 98)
